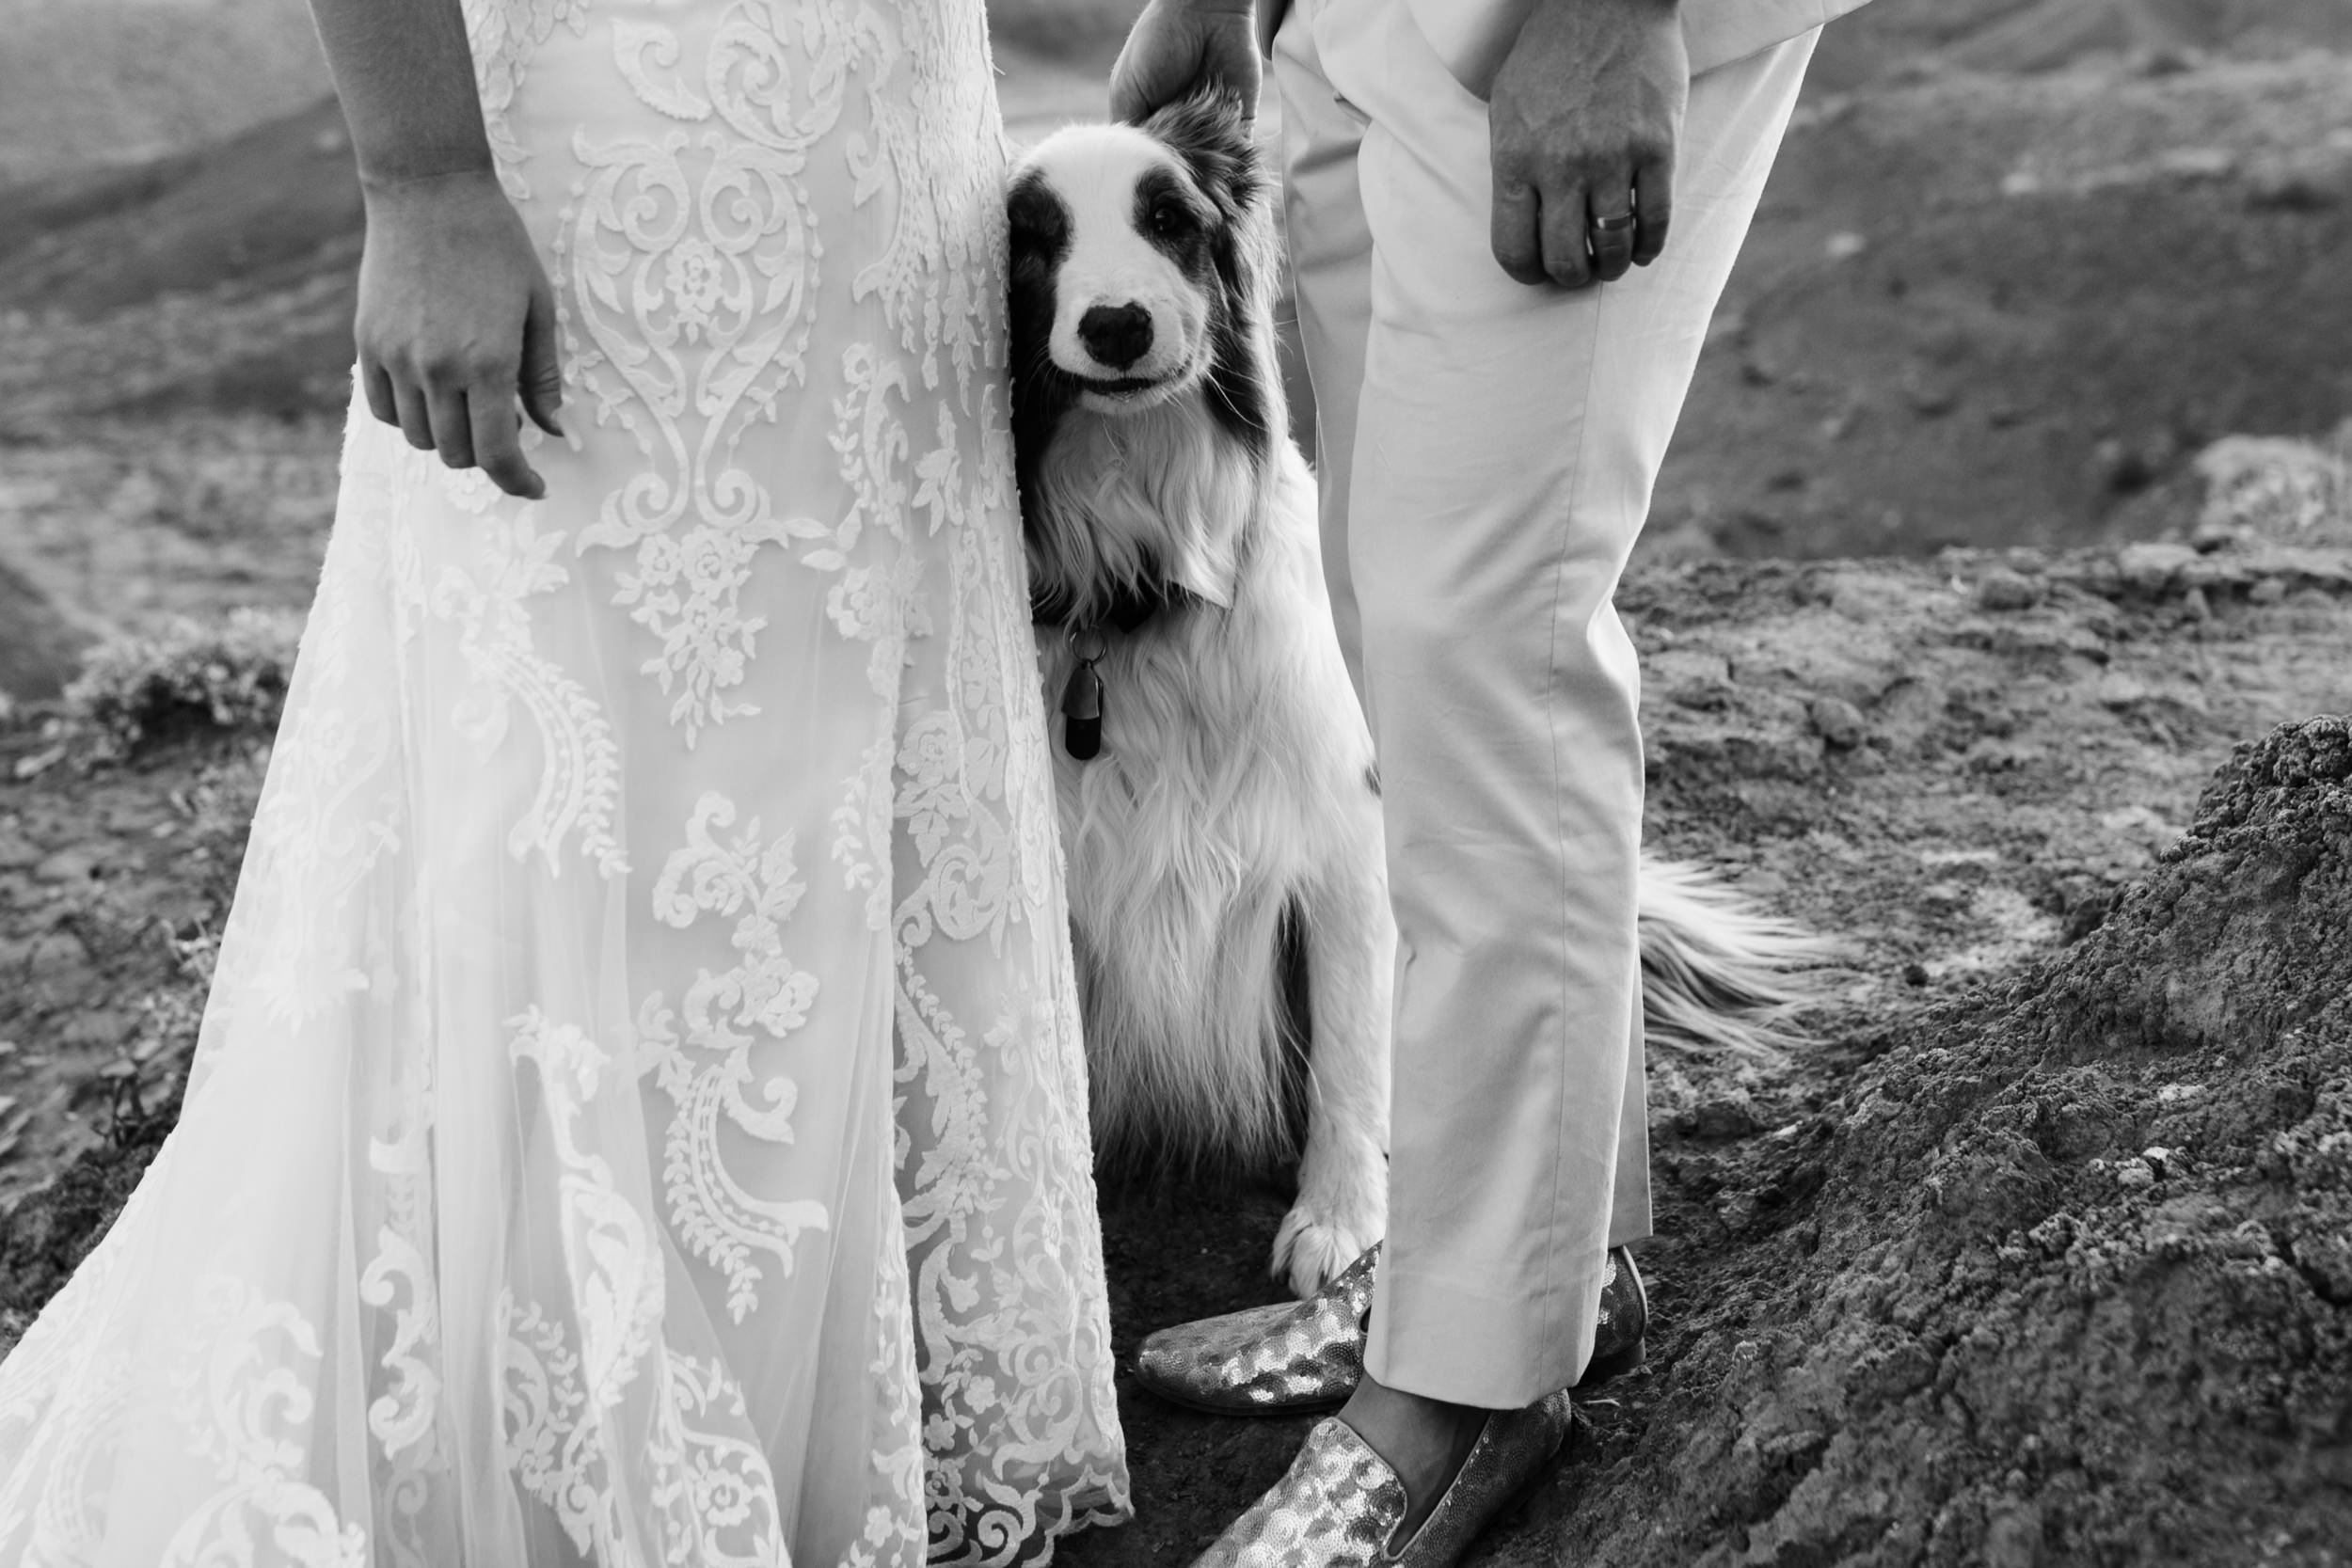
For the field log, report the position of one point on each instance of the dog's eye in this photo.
(1170, 219)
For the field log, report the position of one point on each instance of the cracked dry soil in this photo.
(2039, 1257)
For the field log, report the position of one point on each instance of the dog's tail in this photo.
(1716, 974)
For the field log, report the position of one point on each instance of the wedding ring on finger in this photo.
(1609, 240)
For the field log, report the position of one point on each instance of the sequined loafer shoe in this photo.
(1341, 1506)
(1300, 1356)
(1285, 1359)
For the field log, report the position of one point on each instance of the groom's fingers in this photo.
(1243, 69)
(1517, 234)
(1135, 89)
(1567, 221)
(1170, 51)
(1610, 230)
(1654, 201)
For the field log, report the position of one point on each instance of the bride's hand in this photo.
(457, 323)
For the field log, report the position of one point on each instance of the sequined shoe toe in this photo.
(1340, 1505)
(1302, 1357)
(1290, 1359)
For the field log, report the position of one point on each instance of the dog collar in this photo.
(1128, 610)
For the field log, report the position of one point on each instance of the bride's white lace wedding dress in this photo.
(641, 1118)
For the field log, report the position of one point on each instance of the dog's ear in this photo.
(1209, 128)
(1209, 131)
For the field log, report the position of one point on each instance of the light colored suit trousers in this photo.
(1487, 455)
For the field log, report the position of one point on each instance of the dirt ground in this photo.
(2037, 1257)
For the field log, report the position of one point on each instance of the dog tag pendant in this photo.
(1082, 712)
(1082, 697)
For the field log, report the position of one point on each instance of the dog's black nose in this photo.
(1115, 335)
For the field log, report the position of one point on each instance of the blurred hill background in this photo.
(90, 82)
(2021, 262)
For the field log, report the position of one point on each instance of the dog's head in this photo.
(1141, 261)
(1146, 401)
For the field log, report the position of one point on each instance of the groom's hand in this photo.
(1583, 119)
(1177, 44)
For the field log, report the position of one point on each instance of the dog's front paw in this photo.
(1342, 1208)
(1310, 1248)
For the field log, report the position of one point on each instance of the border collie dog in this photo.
(1219, 806)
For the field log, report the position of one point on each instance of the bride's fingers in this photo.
(410, 412)
(376, 386)
(498, 443)
(542, 387)
(452, 427)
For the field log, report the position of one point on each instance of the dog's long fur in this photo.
(1232, 816)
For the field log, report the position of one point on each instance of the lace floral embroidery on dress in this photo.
(714, 1494)
(333, 809)
(609, 1250)
(580, 781)
(861, 833)
(503, 35)
(67, 1519)
(245, 1398)
(692, 267)
(938, 278)
(707, 1069)
(895, 1531)
(717, 1499)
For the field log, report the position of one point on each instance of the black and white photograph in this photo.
(1175, 783)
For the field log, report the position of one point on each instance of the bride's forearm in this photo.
(406, 80)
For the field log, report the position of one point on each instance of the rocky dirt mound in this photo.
(2072, 1283)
